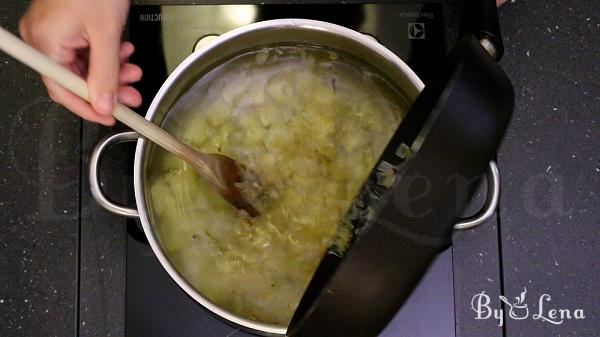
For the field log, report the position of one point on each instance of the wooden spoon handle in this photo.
(41, 63)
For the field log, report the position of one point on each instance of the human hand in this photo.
(500, 2)
(85, 36)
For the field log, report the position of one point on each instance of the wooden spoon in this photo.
(222, 172)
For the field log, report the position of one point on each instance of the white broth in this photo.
(311, 123)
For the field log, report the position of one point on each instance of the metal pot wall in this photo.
(221, 49)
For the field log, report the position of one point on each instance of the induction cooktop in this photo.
(164, 36)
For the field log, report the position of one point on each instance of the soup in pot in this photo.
(311, 123)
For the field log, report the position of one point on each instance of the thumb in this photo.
(104, 66)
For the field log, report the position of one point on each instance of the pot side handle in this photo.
(106, 143)
(491, 202)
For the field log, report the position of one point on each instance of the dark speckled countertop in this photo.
(550, 162)
(545, 238)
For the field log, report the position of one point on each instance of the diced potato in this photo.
(182, 185)
(218, 113)
(268, 162)
(198, 132)
(280, 89)
(251, 97)
(163, 201)
(353, 142)
(248, 118)
(254, 136)
(271, 116)
(234, 89)
(277, 138)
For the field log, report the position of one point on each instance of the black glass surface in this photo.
(164, 36)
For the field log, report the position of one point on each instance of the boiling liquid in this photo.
(311, 123)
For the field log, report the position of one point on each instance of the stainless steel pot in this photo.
(219, 50)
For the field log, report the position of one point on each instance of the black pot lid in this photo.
(404, 213)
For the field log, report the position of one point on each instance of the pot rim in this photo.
(316, 25)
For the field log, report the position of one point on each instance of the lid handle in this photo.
(480, 18)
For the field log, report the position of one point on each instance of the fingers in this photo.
(127, 95)
(129, 73)
(104, 66)
(127, 49)
(83, 55)
(77, 105)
